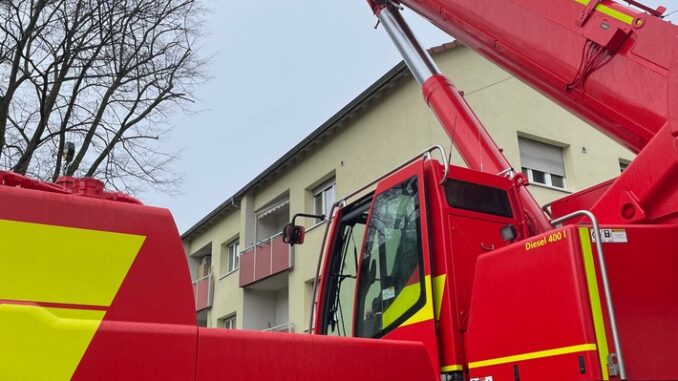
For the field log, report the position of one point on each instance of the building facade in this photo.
(246, 278)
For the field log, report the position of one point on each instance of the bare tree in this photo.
(103, 74)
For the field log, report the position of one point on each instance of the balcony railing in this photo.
(287, 327)
(203, 292)
(263, 259)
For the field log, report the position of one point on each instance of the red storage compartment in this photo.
(531, 314)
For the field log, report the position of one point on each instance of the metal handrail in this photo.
(606, 286)
(202, 278)
(280, 327)
(426, 153)
(547, 209)
(259, 243)
(269, 241)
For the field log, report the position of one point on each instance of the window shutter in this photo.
(541, 157)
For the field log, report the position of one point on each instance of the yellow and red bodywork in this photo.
(87, 282)
(98, 289)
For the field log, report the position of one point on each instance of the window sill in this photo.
(227, 274)
(540, 185)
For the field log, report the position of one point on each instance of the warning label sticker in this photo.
(611, 236)
(388, 293)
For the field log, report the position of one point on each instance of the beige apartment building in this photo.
(246, 278)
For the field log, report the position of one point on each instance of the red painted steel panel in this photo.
(246, 267)
(470, 238)
(265, 259)
(563, 367)
(202, 294)
(252, 356)
(157, 287)
(644, 285)
(262, 261)
(281, 255)
(539, 42)
(149, 331)
(450, 344)
(646, 190)
(531, 297)
(459, 234)
(135, 351)
(582, 200)
(628, 96)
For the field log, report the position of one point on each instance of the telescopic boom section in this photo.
(613, 65)
(467, 133)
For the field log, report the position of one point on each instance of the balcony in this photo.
(287, 327)
(263, 259)
(203, 290)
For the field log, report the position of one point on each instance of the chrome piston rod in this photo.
(417, 58)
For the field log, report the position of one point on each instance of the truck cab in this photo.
(444, 255)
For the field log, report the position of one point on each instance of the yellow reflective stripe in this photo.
(450, 368)
(594, 299)
(623, 17)
(426, 312)
(40, 343)
(604, 9)
(57, 264)
(533, 355)
(408, 297)
(438, 289)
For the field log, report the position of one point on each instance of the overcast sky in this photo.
(279, 69)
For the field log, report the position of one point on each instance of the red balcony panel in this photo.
(262, 268)
(202, 291)
(264, 259)
(281, 260)
(247, 267)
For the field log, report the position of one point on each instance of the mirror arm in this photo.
(316, 216)
(294, 234)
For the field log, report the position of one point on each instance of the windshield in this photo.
(391, 274)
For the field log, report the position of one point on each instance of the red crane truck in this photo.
(432, 271)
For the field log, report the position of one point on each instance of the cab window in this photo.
(478, 198)
(338, 310)
(390, 285)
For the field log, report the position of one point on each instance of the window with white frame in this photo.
(230, 257)
(542, 163)
(228, 322)
(324, 197)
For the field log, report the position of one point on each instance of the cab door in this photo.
(394, 291)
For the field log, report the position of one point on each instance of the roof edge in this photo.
(364, 96)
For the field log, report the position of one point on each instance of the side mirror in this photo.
(293, 234)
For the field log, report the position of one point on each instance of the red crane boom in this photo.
(615, 66)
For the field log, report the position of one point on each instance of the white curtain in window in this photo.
(541, 157)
